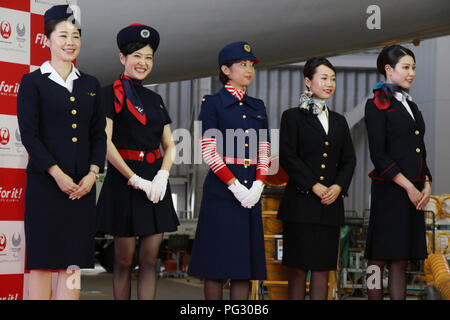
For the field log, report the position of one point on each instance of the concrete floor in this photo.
(96, 284)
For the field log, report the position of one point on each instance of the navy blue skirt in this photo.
(59, 232)
(229, 241)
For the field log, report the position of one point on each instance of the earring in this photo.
(308, 93)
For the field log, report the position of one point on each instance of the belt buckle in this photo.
(150, 157)
(247, 163)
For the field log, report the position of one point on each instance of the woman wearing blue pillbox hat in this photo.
(229, 242)
(62, 125)
(136, 200)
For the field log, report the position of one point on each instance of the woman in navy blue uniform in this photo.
(229, 242)
(62, 125)
(401, 180)
(135, 200)
(316, 151)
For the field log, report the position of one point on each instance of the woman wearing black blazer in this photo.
(401, 180)
(317, 153)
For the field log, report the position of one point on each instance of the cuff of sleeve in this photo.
(99, 164)
(225, 174)
(344, 186)
(307, 185)
(48, 165)
(388, 174)
(391, 172)
(260, 175)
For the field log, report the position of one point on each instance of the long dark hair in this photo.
(391, 55)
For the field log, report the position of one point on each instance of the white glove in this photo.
(142, 184)
(159, 186)
(254, 194)
(240, 191)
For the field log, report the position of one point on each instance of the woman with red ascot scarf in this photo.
(136, 200)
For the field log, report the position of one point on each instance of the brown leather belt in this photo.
(136, 155)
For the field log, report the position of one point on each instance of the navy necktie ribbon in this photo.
(124, 92)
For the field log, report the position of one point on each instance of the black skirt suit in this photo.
(68, 129)
(396, 141)
(309, 155)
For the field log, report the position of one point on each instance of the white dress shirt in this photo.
(323, 118)
(402, 98)
(46, 67)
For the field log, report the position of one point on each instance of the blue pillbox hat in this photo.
(58, 12)
(236, 51)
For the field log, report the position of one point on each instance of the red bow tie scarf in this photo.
(125, 92)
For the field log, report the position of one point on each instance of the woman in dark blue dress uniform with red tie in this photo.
(229, 242)
(136, 200)
(62, 125)
(401, 180)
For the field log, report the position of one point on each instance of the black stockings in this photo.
(123, 259)
(297, 284)
(396, 277)
(397, 280)
(239, 289)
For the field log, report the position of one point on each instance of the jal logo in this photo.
(2, 242)
(4, 136)
(5, 29)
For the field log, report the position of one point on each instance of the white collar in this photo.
(46, 67)
(402, 95)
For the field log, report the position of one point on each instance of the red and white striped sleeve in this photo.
(213, 159)
(262, 167)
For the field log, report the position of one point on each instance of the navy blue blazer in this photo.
(222, 112)
(396, 141)
(59, 127)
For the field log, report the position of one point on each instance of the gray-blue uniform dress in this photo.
(67, 129)
(123, 211)
(229, 242)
